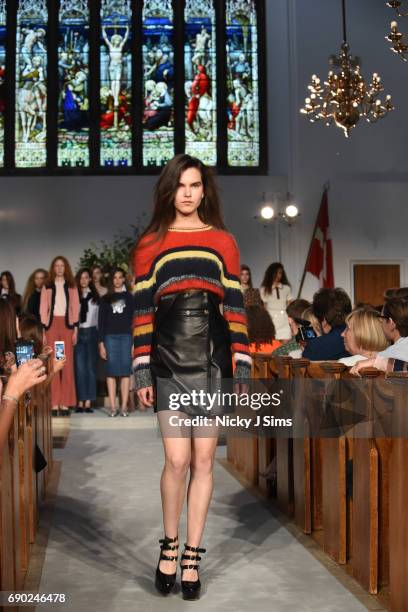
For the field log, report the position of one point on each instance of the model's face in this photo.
(244, 277)
(278, 275)
(350, 340)
(189, 193)
(84, 280)
(4, 282)
(118, 280)
(59, 268)
(39, 280)
(97, 275)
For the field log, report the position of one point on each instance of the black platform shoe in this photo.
(191, 588)
(165, 582)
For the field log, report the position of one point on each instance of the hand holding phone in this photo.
(24, 350)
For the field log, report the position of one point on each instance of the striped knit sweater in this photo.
(206, 259)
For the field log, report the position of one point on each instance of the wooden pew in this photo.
(284, 451)
(398, 497)
(264, 368)
(18, 486)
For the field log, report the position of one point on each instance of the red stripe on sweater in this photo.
(193, 283)
(142, 350)
(143, 319)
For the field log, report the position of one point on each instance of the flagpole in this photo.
(326, 188)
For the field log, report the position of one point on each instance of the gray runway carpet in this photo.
(103, 545)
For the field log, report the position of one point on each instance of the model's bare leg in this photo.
(124, 392)
(177, 452)
(200, 490)
(111, 384)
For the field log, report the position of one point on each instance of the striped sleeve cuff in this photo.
(242, 372)
(143, 378)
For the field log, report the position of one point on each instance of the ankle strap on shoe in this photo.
(194, 548)
(165, 543)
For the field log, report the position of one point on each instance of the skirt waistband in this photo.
(190, 300)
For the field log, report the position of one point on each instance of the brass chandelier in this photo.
(397, 4)
(396, 38)
(345, 96)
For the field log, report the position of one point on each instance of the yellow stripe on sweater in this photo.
(143, 329)
(238, 327)
(146, 284)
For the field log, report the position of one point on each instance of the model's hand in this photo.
(145, 396)
(102, 351)
(28, 374)
(75, 337)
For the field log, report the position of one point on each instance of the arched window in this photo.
(121, 86)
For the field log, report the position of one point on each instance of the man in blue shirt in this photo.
(331, 307)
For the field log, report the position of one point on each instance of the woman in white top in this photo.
(86, 349)
(276, 294)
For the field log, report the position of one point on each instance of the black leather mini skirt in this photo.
(191, 354)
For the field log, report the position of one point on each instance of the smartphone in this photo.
(59, 349)
(24, 350)
(305, 333)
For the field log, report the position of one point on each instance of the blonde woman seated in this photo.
(363, 337)
(394, 324)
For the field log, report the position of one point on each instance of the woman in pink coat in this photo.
(59, 311)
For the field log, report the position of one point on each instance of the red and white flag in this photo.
(319, 261)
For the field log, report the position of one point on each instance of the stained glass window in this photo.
(31, 84)
(242, 83)
(116, 83)
(73, 71)
(3, 17)
(125, 84)
(200, 73)
(158, 82)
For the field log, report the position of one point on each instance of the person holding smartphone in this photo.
(115, 338)
(59, 311)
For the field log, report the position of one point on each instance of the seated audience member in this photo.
(32, 293)
(331, 307)
(31, 330)
(364, 336)
(261, 330)
(313, 320)
(294, 310)
(8, 291)
(394, 322)
(399, 292)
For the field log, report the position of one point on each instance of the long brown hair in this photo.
(165, 190)
(11, 283)
(7, 326)
(30, 286)
(31, 329)
(270, 275)
(112, 295)
(68, 275)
